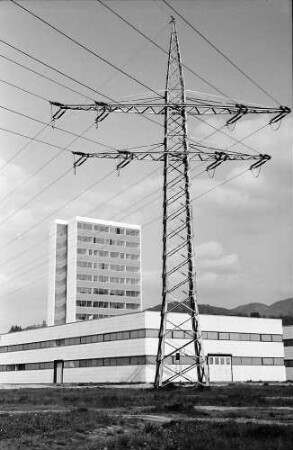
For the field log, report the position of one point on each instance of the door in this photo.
(220, 368)
(58, 371)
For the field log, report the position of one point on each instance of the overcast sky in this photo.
(243, 228)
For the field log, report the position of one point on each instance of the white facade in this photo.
(288, 346)
(94, 270)
(123, 349)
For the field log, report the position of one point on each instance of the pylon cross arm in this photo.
(192, 106)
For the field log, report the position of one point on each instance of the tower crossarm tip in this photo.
(262, 159)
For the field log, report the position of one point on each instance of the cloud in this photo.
(212, 259)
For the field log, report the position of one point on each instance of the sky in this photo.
(242, 223)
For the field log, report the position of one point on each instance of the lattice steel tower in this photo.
(180, 355)
(178, 276)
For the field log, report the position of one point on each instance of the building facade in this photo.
(288, 347)
(123, 350)
(94, 270)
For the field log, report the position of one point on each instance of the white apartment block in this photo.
(94, 270)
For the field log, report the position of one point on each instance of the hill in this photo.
(281, 308)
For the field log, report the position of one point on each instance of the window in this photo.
(83, 290)
(224, 336)
(118, 292)
(266, 337)
(117, 267)
(235, 336)
(132, 293)
(100, 291)
(120, 243)
(132, 269)
(228, 361)
(268, 361)
(277, 338)
(222, 361)
(115, 279)
(255, 337)
(81, 251)
(236, 361)
(244, 337)
(137, 334)
(132, 257)
(131, 306)
(246, 361)
(130, 232)
(98, 240)
(84, 277)
(103, 279)
(87, 264)
(111, 242)
(212, 335)
(114, 254)
(256, 361)
(103, 254)
(178, 334)
(278, 361)
(116, 305)
(132, 244)
(101, 228)
(120, 230)
(211, 360)
(87, 226)
(217, 361)
(137, 360)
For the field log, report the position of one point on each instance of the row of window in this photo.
(106, 291)
(105, 266)
(215, 335)
(111, 305)
(89, 339)
(91, 316)
(107, 279)
(245, 361)
(107, 229)
(141, 360)
(106, 241)
(114, 336)
(103, 253)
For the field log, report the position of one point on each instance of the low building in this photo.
(122, 349)
(288, 347)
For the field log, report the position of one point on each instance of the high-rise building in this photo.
(94, 270)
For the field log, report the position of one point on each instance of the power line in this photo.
(33, 138)
(160, 47)
(101, 58)
(36, 172)
(57, 128)
(24, 90)
(201, 195)
(65, 75)
(35, 196)
(220, 51)
(59, 208)
(53, 69)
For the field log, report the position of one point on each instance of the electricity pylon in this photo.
(180, 355)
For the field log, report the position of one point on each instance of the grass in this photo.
(96, 418)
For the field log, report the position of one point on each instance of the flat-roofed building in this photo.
(122, 349)
(94, 270)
